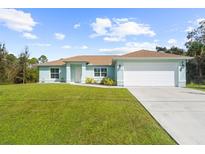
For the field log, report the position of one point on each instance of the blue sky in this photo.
(59, 33)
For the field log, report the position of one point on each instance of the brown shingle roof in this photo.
(147, 53)
(107, 60)
(53, 63)
(94, 60)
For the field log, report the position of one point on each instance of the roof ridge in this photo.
(139, 51)
(150, 51)
(91, 56)
(96, 55)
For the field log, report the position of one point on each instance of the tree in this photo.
(197, 50)
(176, 50)
(196, 47)
(18, 70)
(173, 50)
(33, 61)
(11, 65)
(3, 54)
(23, 66)
(42, 59)
(164, 49)
(32, 71)
(32, 74)
(196, 35)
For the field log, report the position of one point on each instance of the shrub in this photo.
(108, 81)
(90, 80)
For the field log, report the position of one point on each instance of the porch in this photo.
(75, 72)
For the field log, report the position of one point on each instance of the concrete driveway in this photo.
(181, 111)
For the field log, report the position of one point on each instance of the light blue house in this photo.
(139, 68)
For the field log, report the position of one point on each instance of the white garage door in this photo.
(149, 74)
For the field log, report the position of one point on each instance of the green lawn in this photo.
(196, 86)
(67, 114)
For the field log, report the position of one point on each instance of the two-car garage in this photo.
(151, 68)
(150, 74)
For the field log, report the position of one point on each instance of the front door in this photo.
(78, 74)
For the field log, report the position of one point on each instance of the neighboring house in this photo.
(140, 68)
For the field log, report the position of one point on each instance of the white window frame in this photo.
(100, 72)
(55, 73)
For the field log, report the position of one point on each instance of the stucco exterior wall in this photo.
(182, 73)
(90, 72)
(44, 74)
(115, 72)
(67, 73)
(119, 68)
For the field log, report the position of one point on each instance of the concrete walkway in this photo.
(181, 111)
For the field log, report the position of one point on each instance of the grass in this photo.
(68, 114)
(196, 86)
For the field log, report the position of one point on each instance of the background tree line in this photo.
(195, 46)
(21, 69)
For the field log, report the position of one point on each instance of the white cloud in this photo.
(189, 29)
(113, 39)
(100, 26)
(118, 29)
(59, 36)
(172, 42)
(41, 44)
(66, 47)
(76, 26)
(120, 20)
(129, 46)
(30, 36)
(83, 47)
(17, 20)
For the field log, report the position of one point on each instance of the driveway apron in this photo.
(180, 111)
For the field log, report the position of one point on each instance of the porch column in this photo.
(68, 78)
(83, 72)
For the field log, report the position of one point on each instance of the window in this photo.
(100, 72)
(97, 72)
(54, 73)
(104, 72)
